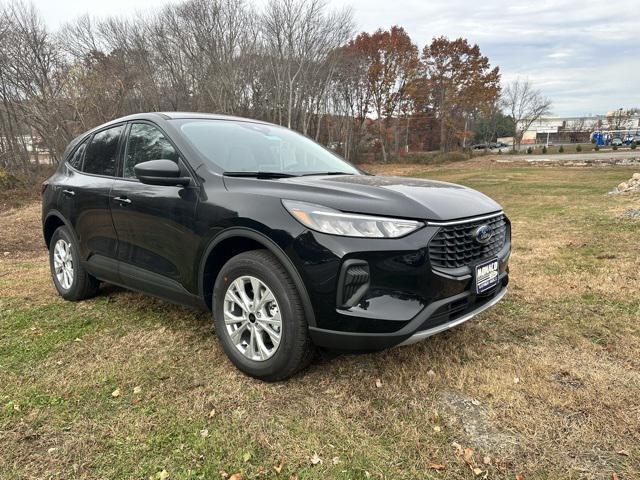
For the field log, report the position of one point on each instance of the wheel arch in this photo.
(51, 223)
(241, 239)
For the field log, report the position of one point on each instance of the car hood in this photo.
(379, 195)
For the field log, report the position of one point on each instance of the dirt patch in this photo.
(475, 420)
(21, 231)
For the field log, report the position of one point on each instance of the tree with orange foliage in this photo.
(456, 82)
(392, 63)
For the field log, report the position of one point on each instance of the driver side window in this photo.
(146, 143)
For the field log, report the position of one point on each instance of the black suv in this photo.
(288, 245)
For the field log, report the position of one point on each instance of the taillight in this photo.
(43, 187)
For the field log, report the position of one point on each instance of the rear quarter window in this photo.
(102, 153)
(75, 160)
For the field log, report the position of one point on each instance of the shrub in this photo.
(529, 150)
(593, 140)
(499, 152)
(430, 158)
(633, 145)
(615, 147)
(597, 147)
(561, 149)
(544, 149)
(578, 148)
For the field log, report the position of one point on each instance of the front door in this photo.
(154, 224)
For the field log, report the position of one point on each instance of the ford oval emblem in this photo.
(483, 233)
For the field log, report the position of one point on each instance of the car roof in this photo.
(159, 116)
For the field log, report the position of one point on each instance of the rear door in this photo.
(155, 224)
(85, 200)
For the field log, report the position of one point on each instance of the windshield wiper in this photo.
(259, 174)
(326, 173)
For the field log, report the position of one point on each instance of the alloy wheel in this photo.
(252, 318)
(63, 263)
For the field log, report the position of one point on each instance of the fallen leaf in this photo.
(204, 433)
(335, 460)
(475, 402)
(623, 452)
(378, 383)
(137, 390)
(431, 373)
(516, 380)
(477, 471)
(468, 455)
(163, 475)
(212, 413)
(519, 476)
(223, 474)
(52, 450)
(315, 460)
(458, 447)
(115, 393)
(236, 476)
(436, 466)
(436, 428)
(246, 457)
(486, 460)
(16, 407)
(278, 468)
(614, 477)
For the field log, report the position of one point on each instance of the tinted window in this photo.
(146, 143)
(246, 146)
(100, 157)
(76, 159)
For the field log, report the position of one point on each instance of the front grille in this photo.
(454, 245)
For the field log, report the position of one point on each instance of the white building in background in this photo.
(579, 129)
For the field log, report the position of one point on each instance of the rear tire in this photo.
(239, 312)
(70, 278)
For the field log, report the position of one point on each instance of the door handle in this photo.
(69, 193)
(122, 200)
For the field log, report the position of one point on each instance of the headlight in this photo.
(334, 222)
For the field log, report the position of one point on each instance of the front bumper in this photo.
(406, 297)
(430, 321)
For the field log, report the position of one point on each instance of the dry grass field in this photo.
(544, 386)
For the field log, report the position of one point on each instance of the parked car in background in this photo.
(290, 246)
(617, 142)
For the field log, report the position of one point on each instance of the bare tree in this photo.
(525, 104)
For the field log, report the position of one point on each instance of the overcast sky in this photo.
(584, 54)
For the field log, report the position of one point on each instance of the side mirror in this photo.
(160, 172)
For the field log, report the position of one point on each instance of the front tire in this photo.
(70, 278)
(259, 317)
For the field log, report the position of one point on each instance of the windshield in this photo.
(252, 147)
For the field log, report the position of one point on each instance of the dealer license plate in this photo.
(486, 276)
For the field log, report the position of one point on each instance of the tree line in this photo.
(296, 63)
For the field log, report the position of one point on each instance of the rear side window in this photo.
(146, 143)
(101, 154)
(76, 159)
